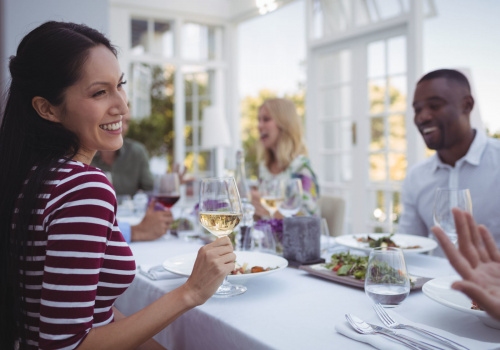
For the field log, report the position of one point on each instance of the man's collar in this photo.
(473, 155)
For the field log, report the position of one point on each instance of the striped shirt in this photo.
(80, 262)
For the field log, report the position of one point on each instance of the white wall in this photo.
(18, 17)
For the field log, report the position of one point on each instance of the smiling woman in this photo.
(63, 259)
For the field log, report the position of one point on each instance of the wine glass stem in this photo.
(225, 286)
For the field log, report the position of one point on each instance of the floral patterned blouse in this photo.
(299, 168)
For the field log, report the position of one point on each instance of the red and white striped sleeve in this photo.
(79, 221)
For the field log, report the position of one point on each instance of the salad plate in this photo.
(439, 290)
(183, 264)
(405, 242)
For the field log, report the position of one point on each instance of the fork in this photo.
(362, 327)
(391, 323)
(420, 344)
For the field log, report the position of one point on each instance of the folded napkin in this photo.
(383, 342)
(156, 272)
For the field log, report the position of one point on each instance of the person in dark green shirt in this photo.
(128, 172)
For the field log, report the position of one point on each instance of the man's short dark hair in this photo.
(449, 74)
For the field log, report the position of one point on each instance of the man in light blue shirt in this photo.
(464, 158)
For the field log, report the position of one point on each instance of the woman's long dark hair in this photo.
(48, 61)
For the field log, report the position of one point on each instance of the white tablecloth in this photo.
(289, 309)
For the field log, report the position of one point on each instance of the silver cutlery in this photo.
(391, 323)
(362, 327)
(419, 343)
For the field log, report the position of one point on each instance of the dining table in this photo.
(289, 309)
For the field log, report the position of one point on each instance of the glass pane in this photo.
(378, 212)
(200, 42)
(188, 135)
(397, 55)
(189, 111)
(201, 106)
(337, 102)
(376, 96)
(205, 161)
(199, 135)
(376, 59)
(345, 135)
(397, 166)
(329, 136)
(163, 39)
(202, 79)
(378, 170)
(330, 168)
(188, 84)
(364, 14)
(397, 207)
(139, 36)
(397, 94)
(317, 20)
(377, 127)
(397, 133)
(388, 8)
(346, 167)
(336, 68)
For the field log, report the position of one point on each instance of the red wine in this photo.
(168, 201)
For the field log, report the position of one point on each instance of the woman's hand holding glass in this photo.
(214, 262)
(220, 211)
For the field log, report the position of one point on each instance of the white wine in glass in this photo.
(220, 211)
(446, 199)
(271, 195)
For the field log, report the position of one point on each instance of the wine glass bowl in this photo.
(292, 197)
(386, 279)
(220, 211)
(445, 200)
(166, 189)
(271, 194)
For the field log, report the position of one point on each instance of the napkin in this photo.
(156, 272)
(385, 343)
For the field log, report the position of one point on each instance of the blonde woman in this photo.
(283, 154)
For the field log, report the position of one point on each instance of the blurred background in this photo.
(349, 65)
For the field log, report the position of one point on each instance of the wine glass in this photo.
(220, 211)
(271, 194)
(166, 189)
(386, 279)
(292, 197)
(444, 200)
(261, 239)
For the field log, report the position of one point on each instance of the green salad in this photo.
(346, 264)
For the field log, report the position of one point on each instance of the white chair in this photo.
(333, 210)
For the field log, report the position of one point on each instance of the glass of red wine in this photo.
(166, 189)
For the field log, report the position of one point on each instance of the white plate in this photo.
(439, 289)
(401, 240)
(183, 264)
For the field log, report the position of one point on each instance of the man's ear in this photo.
(45, 109)
(468, 104)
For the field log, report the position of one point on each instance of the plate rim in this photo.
(450, 279)
(339, 240)
(192, 256)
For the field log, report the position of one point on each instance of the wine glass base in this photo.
(226, 291)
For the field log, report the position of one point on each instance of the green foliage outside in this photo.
(156, 131)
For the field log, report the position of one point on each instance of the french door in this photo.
(359, 97)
